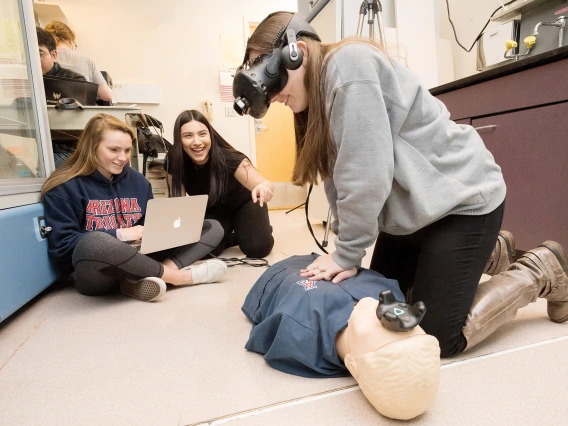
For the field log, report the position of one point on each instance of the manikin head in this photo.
(398, 372)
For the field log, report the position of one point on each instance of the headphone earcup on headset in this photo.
(289, 63)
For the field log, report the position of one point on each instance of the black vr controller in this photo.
(258, 80)
(398, 316)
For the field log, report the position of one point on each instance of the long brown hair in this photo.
(61, 32)
(83, 161)
(221, 155)
(315, 152)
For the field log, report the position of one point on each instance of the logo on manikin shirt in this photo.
(177, 222)
(308, 285)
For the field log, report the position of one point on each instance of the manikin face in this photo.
(196, 141)
(294, 95)
(47, 59)
(398, 372)
(113, 153)
(365, 333)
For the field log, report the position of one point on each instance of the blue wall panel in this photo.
(25, 269)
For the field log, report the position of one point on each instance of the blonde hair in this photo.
(400, 379)
(61, 32)
(84, 160)
(315, 152)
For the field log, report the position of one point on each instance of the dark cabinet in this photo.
(531, 146)
(526, 89)
(463, 121)
(523, 120)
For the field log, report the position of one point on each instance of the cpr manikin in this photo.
(320, 329)
(398, 372)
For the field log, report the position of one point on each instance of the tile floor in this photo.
(66, 359)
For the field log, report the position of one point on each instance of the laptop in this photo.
(57, 88)
(172, 222)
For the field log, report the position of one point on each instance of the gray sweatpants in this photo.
(100, 260)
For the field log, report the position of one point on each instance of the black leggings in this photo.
(252, 230)
(100, 260)
(441, 265)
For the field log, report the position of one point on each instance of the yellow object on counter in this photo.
(510, 44)
(530, 41)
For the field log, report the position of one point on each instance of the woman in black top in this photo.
(202, 162)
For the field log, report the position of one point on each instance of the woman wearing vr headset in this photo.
(202, 162)
(392, 160)
(95, 205)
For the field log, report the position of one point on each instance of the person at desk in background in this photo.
(70, 58)
(392, 160)
(50, 67)
(202, 162)
(48, 58)
(95, 204)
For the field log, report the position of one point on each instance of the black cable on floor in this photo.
(243, 261)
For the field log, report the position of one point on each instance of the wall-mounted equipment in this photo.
(490, 45)
(207, 109)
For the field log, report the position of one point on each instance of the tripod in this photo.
(374, 9)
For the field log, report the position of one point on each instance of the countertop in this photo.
(505, 69)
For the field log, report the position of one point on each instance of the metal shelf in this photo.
(515, 8)
(48, 10)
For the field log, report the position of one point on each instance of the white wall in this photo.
(327, 22)
(416, 29)
(172, 43)
(468, 17)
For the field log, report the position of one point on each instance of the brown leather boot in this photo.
(555, 290)
(503, 254)
(540, 272)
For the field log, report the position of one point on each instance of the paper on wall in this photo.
(232, 51)
(11, 46)
(226, 86)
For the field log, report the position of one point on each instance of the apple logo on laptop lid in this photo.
(177, 222)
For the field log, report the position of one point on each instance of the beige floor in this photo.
(66, 359)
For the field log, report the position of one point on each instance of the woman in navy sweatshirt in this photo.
(95, 204)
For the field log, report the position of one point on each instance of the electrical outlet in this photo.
(230, 111)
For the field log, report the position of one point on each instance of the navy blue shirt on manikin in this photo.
(295, 320)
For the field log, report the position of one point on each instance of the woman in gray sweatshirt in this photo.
(393, 161)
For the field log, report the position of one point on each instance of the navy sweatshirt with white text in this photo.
(93, 203)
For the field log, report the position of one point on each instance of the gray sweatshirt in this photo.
(402, 164)
(82, 64)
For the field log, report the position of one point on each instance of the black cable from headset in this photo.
(480, 34)
(308, 220)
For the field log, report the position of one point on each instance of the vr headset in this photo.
(258, 80)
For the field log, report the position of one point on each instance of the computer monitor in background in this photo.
(57, 88)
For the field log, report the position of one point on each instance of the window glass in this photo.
(20, 153)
